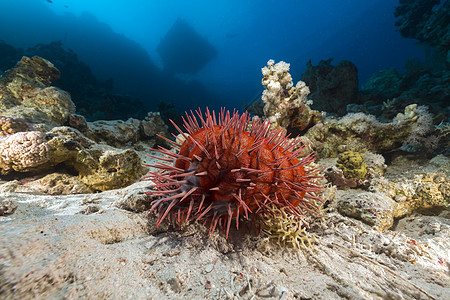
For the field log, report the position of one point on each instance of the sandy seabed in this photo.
(52, 247)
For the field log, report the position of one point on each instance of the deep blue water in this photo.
(119, 39)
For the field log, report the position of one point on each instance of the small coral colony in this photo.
(232, 168)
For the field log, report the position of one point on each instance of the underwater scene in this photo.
(225, 149)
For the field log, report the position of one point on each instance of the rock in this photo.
(7, 207)
(10, 126)
(63, 184)
(110, 169)
(137, 201)
(115, 133)
(25, 93)
(374, 209)
(332, 87)
(97, 167)
(25, 151)
(90, 209)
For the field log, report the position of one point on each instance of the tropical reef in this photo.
(421, 20)
(41, 135)
(375, 224)
(106, 99)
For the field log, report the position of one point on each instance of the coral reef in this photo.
(375, 164)
(92, 96)
(384, 84)
(119, 133)
(418, 189)
(351, 171)
(424, 83)
(388, 91)
(406, 188)
(285, 105)
(394, 219)
(419, 19)
(332, 87)
(288, 107)
(98, 166)
(32, 140)
(110, 169)
(115, 133)
(411, 130)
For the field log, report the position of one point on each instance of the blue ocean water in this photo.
(120, 40)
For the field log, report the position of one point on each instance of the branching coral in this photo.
(281, 99)
(286, 229)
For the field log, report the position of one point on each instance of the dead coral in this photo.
(375, 209)
(97, 166)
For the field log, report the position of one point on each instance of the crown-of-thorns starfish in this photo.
(231, 168)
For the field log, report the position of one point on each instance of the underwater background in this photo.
(123, 58)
